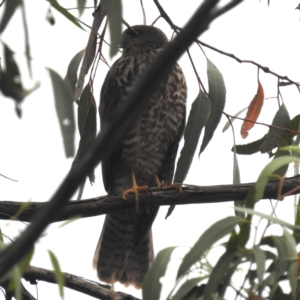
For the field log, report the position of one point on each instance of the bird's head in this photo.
(142, 37)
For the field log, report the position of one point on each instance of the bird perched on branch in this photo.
(145, 159)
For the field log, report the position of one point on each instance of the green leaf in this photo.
(187, 287)
(295, 124)
(15, 282)
(231, 120)
(114, 15)
(279, 153)
(217, 274)
(251, 148)
(10, 7)
(71, 220)
(71, 76)
(65, 111)
(87, 125)
(297, 223)
(81, 5)
(268, 217)
(287, 258)
(26, 34)
(11, 83)
(198, 116)
(64, 12)
(267, 173)
(217, 96)
(281, 119)
(24, 263)
(206, 240)
(57, 273)
(284, 83)
(260, 259)
(151, 284)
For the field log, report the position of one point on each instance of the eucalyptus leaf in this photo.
(65, 112)
(57, 272)
(64, 12)
(114, 15)
(281, 119)
(214, 233)
(151, 284)
(217, 96)
(10, 6)
(251, 148)
(198, 117)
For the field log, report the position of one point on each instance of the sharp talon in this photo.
(175, 186)
(158, 182)
(135, 190)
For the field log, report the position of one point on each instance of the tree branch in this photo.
(157, 197)
(79, 284)
(112, 134)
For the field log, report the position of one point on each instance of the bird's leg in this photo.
(135, 189)
(158, 182)
(175, 186)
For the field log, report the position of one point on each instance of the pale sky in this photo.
(32, 151)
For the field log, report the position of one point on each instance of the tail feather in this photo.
(119, 255)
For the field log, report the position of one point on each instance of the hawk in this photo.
(145, 159)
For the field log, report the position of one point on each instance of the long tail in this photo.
(125, 250)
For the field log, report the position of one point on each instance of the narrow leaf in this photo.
(11, 81)
(281, 119)
(231, 120)
(9, 9)
(250, 148)
(206, 240)
(198, 116)
(297, 222)
(186, 288)
(81, 6)
(64, 12)
(217, 96)
(281, 144)
(71, 76)
(217, 274)
(87, 125)
(295, 124)
(57, 272)
(114, 15)
(260, 259)
(24, 263)
(65, 111)
(26, 35)
(268, 171)
(151, 284)
(253, 111)
(269, 218)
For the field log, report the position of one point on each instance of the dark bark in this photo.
(108, 204)
(79, 284)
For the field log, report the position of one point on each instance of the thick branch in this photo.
(79, 284)
(108, 204)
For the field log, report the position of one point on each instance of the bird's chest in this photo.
(146, 145)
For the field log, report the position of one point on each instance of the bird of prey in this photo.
(145, 158)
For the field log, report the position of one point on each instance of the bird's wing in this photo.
(110, 96)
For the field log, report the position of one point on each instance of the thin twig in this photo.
(264, 124)
(143, 10)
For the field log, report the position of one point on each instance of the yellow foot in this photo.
(158, 183)
(175, 186)
(134, 190)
